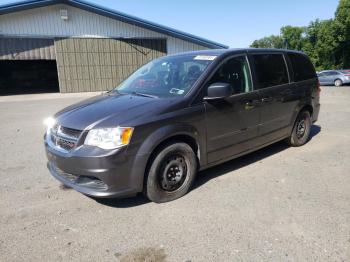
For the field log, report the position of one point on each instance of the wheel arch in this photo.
(178, 137)
(184, 133)
(308, 108)
(297, 111)
(184, 138)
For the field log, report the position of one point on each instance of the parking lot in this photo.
(280, 203)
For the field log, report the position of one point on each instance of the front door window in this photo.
(235, 72)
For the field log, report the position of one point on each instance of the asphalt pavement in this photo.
(277, 204)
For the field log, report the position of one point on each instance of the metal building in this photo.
(76, 46)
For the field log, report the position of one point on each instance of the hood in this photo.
(109, 110)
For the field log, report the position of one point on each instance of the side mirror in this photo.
(218, 91)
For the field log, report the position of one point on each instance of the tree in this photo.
(320, 44)
(272, 41)
(342, 34)
(326, 42)
(293, 37)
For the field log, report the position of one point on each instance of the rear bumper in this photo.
(316, 111)
(346, 81)
(114, 174)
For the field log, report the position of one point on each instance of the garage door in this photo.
(27, 49)
(27, 65)
(90, 64)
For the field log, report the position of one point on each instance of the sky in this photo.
(236, 23)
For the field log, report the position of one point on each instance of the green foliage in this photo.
(327, 42)
(341, 30)
(293, 37)
(272, 41)
(320, 44)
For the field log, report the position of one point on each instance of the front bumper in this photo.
(105, 175)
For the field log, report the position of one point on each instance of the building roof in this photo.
(25, 5)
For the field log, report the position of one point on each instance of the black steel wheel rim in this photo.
(173, 172)
(301, 128)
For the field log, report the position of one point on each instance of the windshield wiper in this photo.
(143, 94)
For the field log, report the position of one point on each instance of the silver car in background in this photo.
(334, 77)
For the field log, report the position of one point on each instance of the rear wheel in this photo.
(172, 173)
(301, 129)
(338, 82)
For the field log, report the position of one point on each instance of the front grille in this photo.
(65, 138)
(70, 132)
(65, 144)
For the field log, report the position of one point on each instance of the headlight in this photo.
(49, 122)
(109, 138)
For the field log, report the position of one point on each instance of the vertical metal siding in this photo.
(46, 21)
(90, 64)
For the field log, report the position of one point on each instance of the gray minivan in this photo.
(180, 114)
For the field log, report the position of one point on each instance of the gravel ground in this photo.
(277, 204)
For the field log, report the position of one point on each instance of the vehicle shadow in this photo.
(315, 129)
(213, 172)
(132, 201)
(240, 162)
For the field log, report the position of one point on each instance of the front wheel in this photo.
(301, 129)
(172, 173)
(338, 83)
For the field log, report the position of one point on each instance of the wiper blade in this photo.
(143, 94)
(116, 91)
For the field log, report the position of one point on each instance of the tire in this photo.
(171, 173)
(338, 83)
(301, 130)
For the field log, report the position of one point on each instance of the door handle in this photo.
(266, 99)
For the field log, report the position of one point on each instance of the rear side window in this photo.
(270, 70)
(333, 73)
(302, 67)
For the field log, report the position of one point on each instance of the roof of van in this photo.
(217, 52)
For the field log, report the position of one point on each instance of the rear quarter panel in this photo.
(308, 96)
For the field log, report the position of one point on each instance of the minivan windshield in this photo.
(167, 76)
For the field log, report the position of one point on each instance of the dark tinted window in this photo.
(333, 73)
(302, 67)
(234, 71)
(270, 70)
(330, 73)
